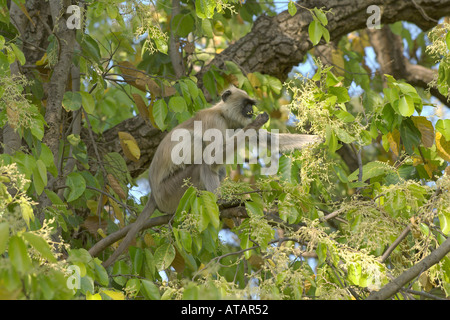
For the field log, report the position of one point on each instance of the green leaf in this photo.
(190, 292)
(177, 104)
(193, 89)
(101, 275)
(321, 251)
(186, 240)
(209, 202)
(137, 258)
(411, 136)
(245, 243)
(207, 28)
(40, 176)
(444, 221)
(37, 128)
(203, 217)
(112, 11)
(4, 236)
(254, 209)
(133, 286)
(321, 16)
(425, 229)
(443, 126)
(325, 34)
(72, 101)
(76, 184)
(406, 106)
(27, 212)
(18, 254)
(81, 255)
(344, 136)
(54, 197)
(447, 40)
(39, 243)
(185, 201)
(205, 8)
(18, 53)
(354, 273)
(275, 84)
(287, 211)
(397, 200)
(341, 93)
(90, 47)
(340, 173)
(161, 44)
(183, 24)
(315, 32)
(406, 88)
(88, 102)
(42, 169)
(284, 168)
(159, 114)
(47, 157)
(150, 290)
(331, 139)
(370, 170)
(164, 256)
(292, 9)
(345, 116)
(120, 267)
(209, 83)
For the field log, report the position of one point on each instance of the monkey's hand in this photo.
(259, 121)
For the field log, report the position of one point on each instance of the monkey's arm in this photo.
(235, 142)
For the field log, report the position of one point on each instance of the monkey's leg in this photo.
(171, 189)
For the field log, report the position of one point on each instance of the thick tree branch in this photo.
(389, 50)
(276, 44)
(396, 285)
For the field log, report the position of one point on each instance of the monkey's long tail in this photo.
(134, 229)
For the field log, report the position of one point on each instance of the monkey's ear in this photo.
(225, 95)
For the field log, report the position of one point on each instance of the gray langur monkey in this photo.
(234, 111)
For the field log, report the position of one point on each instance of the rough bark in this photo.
(60, 75)
(395, 285)
(276, 44)
(389, 50)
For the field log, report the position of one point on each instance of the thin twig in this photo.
(423, 294)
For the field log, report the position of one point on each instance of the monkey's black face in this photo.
(247, 110)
